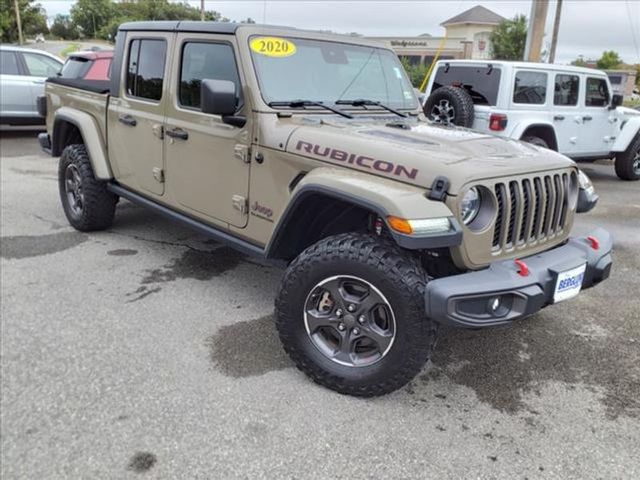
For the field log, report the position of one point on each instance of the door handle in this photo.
(559, 117)
(587, 118)
(128, 120)
(177, 133)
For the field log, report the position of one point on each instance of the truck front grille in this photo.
(530, 210)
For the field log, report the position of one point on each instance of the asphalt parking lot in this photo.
(149, 352)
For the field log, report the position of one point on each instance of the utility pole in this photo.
(18, 21)
(556, 29)
(535, 33)
(202, 10)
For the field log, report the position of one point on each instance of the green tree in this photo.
(509, 38)
(416, 73)
(64, 28)
(609, 60)
(90, 16)
(144, 10)
(32, 15)
(579, 62)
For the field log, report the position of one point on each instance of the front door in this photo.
(136, 116)
(207, 159)
(15, 98)
(597, 125)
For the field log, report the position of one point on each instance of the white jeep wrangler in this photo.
(567, 109)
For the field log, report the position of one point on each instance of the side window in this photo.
(41, 65)
(8, 63)
(566, 90)
(145, 68)
(200, 61)
(530, 88)
(597, 93)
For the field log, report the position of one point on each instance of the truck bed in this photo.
(88, 96)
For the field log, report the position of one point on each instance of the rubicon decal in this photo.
(381, 166)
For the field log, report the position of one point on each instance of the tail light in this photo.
(497, 122)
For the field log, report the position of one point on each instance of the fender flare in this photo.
(629, 129)
(360, 190)
(522, 127)
(90, 132)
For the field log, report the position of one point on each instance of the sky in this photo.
(588, 27)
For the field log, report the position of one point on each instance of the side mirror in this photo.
(616, 100)
(218, 97)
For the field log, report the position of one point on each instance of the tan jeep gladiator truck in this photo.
(309, 150)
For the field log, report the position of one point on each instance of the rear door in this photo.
(207, 159)
(567, 119)
(136, 116)
(38, 68)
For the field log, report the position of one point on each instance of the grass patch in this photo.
(74, 47)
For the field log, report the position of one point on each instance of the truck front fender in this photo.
(377, 195)
(628, 130)
(66, 118)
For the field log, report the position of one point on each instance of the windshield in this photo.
(300, 69)
(75, 67)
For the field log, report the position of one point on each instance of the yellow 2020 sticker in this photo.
(273, 46)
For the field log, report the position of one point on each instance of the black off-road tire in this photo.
(98, 205)
(397, 275)
(537, 141)
(628, 162)
(458, 98)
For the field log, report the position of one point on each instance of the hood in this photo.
(416, 152)
(628, 112)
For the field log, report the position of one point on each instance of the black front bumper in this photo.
(469, 299)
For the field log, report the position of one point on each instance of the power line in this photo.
(633, 31)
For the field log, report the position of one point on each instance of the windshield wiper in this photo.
(364, 102)
(305, 103)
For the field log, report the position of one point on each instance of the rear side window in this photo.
(8, 63)
(566, 90)
(75, 67)
(597, 93)
(530, 88)
(200, 61)
(41, 65)
(145, 68)
(482, 83)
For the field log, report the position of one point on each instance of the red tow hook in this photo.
(595, 244)
(523, 270)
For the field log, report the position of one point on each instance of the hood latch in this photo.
(439, 188)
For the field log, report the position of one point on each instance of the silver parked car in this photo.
(23, 72)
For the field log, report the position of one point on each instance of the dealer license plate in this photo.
(569, 283)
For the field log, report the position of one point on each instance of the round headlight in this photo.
(585, 182)
(470, 205)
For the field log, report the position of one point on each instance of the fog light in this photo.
(494, 304)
